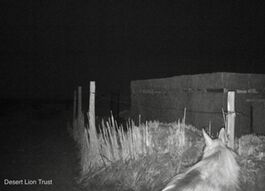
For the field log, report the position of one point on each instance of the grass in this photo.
(142, 157)
(147, 156)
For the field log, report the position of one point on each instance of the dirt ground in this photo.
(35, 145)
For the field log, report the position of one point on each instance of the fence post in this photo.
(74, 106)
(231, 118)
(94, 147)
(92, 93)
(79, 102)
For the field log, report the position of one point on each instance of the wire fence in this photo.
(147, 106)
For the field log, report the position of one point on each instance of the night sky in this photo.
(50, 47)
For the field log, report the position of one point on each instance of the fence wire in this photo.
(125, 103)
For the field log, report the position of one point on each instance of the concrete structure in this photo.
(204, 96)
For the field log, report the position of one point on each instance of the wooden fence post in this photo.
(92, 104)
(79, 102)
(94, 146)
(231, 118)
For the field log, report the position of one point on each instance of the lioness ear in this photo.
(207, 138)
(222, 136)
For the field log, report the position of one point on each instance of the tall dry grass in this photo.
(117, 144)
(147, 156)
(111, 144)
(126, 149)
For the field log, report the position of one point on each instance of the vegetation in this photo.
(134, 157)
(147, 156)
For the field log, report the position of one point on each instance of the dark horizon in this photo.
(49, 48)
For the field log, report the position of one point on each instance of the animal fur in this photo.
(217, 171)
